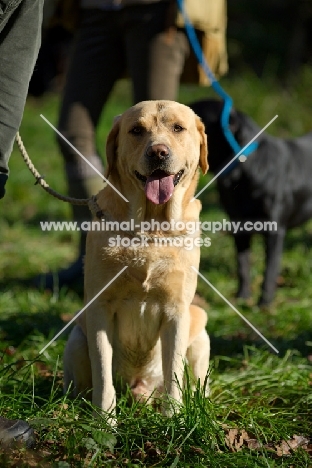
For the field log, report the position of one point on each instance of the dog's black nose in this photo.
(158, 152)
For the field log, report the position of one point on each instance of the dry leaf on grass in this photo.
(236, 439)
(197, 450)
(286, 447)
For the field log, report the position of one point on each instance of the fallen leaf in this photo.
(286, 447)
(197, 450)
(253, 444)
(235, 439)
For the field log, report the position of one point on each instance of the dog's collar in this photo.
(98, 213)
(247, 151)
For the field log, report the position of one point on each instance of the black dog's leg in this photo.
(274, 247)
(242, 242)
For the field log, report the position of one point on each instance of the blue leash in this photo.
(225, 116)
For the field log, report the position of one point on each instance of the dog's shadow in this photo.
(234, 346)
(17, 327)
(30, 283)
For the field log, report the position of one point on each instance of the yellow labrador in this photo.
(142, 328)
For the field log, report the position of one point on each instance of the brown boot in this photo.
(15, 430)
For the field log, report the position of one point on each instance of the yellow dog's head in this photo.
(155, 147)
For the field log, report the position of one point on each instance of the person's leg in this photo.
(168, 51)
(156, 51)
(20, 35)
(97, 61)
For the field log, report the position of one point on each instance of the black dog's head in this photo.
(219, 150)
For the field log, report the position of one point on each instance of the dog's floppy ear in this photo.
(112, 144)
(203, 157)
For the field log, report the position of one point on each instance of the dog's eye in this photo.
(137, 130)
(177, 128)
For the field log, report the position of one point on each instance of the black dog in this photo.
(273, 184)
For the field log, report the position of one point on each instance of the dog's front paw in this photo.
(109, 417)
(104, 402)
(170, 406)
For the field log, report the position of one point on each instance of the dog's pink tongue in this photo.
(159, 187)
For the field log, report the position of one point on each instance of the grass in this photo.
(259, 410)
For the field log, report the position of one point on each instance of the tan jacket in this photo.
(209, 17)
